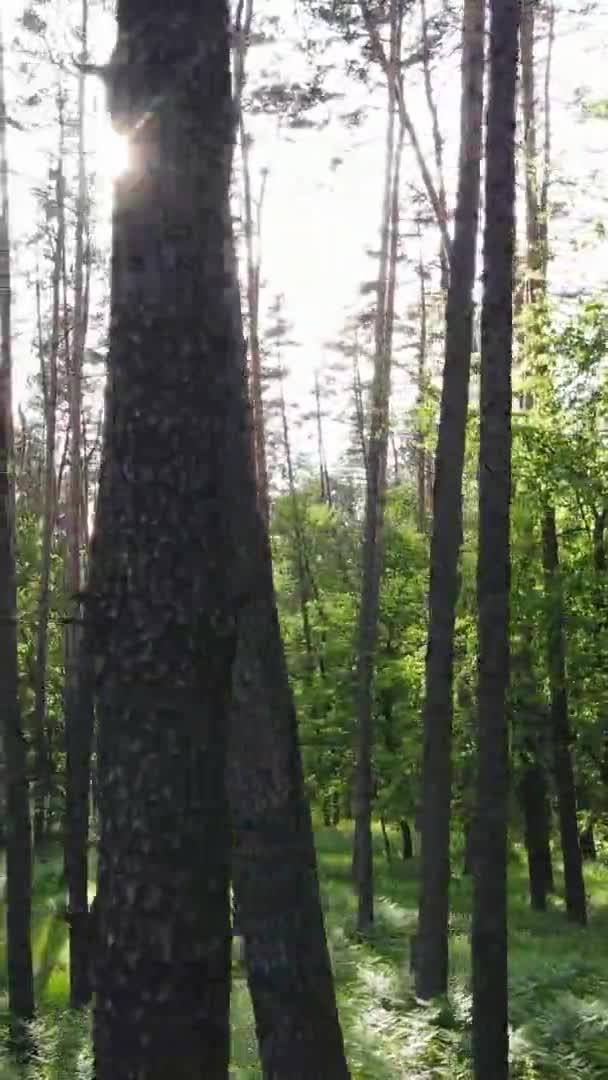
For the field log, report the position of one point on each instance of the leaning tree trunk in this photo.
(273, 858)
(161, 575)
(489, 927)
(274, 865)
(18, 830)
(446, 538)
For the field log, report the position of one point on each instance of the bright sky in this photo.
(318, 222)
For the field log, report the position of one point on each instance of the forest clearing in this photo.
(303, 540)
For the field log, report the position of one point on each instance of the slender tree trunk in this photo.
(387, 843)
(162, 619)
(407, 847)
(421, 452)
(446, 538)
(18, 829)
(252, 229)
(406, 122)
(437, 142)
(78, 714)
(576, 905)
(49, 383)
(359, 409)
(489, 927)
(536, 825)
(324, 481)
(374, 505)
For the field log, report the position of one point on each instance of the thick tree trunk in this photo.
(576, 904)
(489, 925)
(18, 829)
(161, 615)
(432, 968)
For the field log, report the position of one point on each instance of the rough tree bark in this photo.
(489, 925)
(18, 829)
(446, 537)
(161, 614)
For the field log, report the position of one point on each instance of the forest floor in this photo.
(558, 982)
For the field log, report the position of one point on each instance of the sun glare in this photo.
(111, 151)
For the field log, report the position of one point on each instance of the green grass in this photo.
(558, 983)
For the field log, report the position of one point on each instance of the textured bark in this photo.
(77, 704)
(18, 830)
(363, 871)
(446, 538)
(489, 924)
(563, 770)
(274, 865)
(161, 613)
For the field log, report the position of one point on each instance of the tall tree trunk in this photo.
(252, 228)
(273, 860)
(48, 372)
(421, 451)
(78, 717)
(298, 534)
(18, 829)
(446, 538)
(437, 142)
(537, 257)
(359, 407)
(535, 807)
(576, 905)
(375, 499)
(489, 926)
(406, 122)
(161, 576)
(274, 864)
